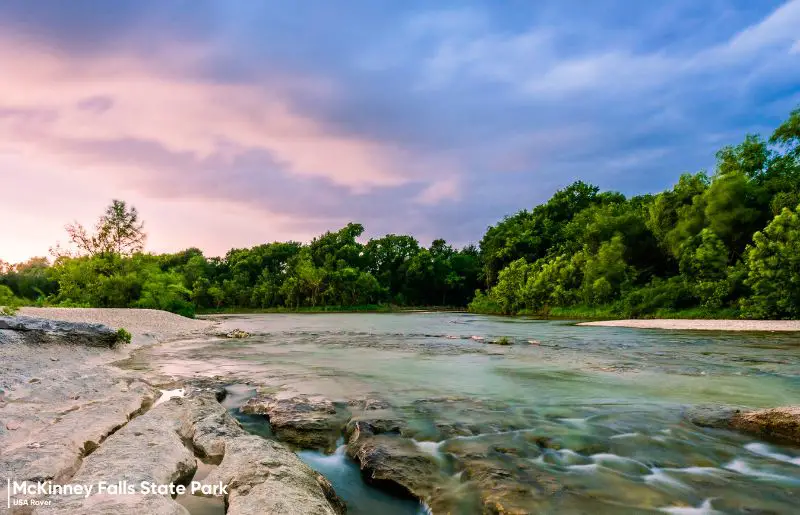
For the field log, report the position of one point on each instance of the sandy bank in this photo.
(159, 324)
(703, 325)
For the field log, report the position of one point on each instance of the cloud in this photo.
(407, 117)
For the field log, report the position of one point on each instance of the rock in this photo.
(309, 422)
(74, 433)
(237, 333)
(373, 426)
(208, 425)
(40, 331)
(149, 448)
(395, 464)
(13, 425)
(511, 486)
(264, 477)
(369, 404)
(712, 416)
(781, 425)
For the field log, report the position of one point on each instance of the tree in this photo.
(773, 264)
(118, 231)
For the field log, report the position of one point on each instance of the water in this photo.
(583, 420)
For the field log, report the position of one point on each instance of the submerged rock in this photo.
(780, 425)
(41, 331)
(505, 482)
(310, 422)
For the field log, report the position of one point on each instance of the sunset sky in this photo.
(233, 123)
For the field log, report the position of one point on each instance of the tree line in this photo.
(721, 244)
(107, 268)
(724, 244)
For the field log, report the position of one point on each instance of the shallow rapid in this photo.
(575, 419)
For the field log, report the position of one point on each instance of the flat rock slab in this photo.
(54, 450)
(148, 449)
(42, 331)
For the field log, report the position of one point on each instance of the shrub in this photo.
(123, 336)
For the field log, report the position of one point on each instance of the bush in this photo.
(123, 336)
(8, 302)
(482, 303)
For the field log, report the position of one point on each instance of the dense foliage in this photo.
(726, 244)
(332, 270)
(721, 245)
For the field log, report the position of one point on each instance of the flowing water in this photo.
(594, 414)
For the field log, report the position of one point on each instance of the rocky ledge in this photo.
(780, 425)
(67, 416)
(41, 331)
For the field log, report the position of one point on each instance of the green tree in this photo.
(773, 264)
(118, 231)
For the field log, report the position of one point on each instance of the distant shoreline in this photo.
(702, 325)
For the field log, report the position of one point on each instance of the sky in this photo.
(230, 124)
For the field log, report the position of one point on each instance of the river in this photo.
(580, 419)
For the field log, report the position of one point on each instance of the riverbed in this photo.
(576, 419)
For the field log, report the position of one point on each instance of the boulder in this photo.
(40, 331)
(265, 477)
(308, 422)
(394, 464)
(781, 425)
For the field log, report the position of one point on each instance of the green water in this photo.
(607, 402)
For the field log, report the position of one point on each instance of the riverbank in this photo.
(702, 325)
(70, 416)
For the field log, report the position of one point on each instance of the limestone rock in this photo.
(310, 422)
(149, 448)
(208, 425)
(780, 425)
(39, 331)
(395, 464)
(265, 477)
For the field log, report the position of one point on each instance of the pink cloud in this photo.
(145, 101)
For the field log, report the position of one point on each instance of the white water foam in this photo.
(431, 448)
(699, 471)
(659, 476)
(742, 467)
(625, 435)
(703, 509)
(590, 468)
(170, 394)
(575, 422)
(765, 450)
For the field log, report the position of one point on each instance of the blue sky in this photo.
(234, 123)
